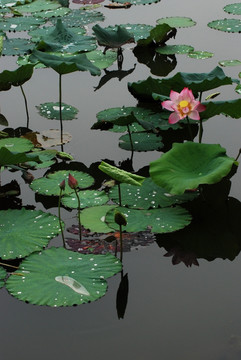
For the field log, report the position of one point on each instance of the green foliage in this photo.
(177, 21)
(80, 18)
(112, 38)
(38, 5)
(174, 49)
(227, 25)
(59, 277)
(16, 145)
(120, 175)
(234, 9)
(158, 35)
(17, 47)
(25, 231)
(200, 55)
(93, 218)
(188, 165)
(3, 274)
(20, 23)
(141, 141)
(52, 110)
(88, 198)
(16, 77)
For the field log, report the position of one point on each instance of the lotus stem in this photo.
(59, 216)
(78, 199)
(119, 193)
(12, 266)
(26, 105)
(131, 142)
(60, 108)
(238, 155)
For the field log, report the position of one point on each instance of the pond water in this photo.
(173, 311)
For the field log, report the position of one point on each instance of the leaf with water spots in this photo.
(51, 111)
(87, 198)
(59, 277)
(141, 141)
(16, 145)
(25, 231)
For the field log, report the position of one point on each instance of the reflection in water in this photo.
(119, 74)
(73, 284)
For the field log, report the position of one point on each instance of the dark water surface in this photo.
(173, 311)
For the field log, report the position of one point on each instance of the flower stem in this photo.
(26, 105)
(131, 142)
(119, 193)
(60, 108)
(60, 222)
(78, 199)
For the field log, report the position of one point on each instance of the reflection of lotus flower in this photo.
(72, 182)
(183, 104)
(179, 255)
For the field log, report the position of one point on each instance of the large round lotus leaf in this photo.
(39, 5)
(157, 220)
(3, 274)
(140, 31)
(25, 231)
(87, 198)
(49, 185)
(120, 175)
(93, 218)
(119, 116)
(227, 25)
(52, 13)
(234, 9)
(36, 34)
(177, 21)
(51, 111)
(59, 277)
(16, 145)
(20, 23)
(188, 165)
(149, 195)
(100, 60)
(140, 141)
(80, 17)
(200, 55)
(174, 49)
(16, 47)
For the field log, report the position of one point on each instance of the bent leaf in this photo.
(112, 38)
(121, 175)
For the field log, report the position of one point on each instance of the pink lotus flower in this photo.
(183, 104)
(72, 182)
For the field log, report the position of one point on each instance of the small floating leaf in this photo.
(200, 55)
(177, 21)
(234, 9)
(174, 49)
(141, 141)
(230, 63)
(87, 198)
(227, 25)
(52, 110)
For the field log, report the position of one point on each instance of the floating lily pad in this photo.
(49, 185)
(141, 141)
(3, 274)
(160, 34)
(52, 13)
(25, 231)
(87, 198)
(112, 38)
(140, 31)
(138, 2)
(157, 220)
(234, 9)
(38, 5)
(17, 47)
(121, 175)
(149, 195)
(20, 23)
(16, 77)
(188, 165)
(230, 63)
(174, 49)
(135, 127)
(93, 218)
(59, 277)
(177, 21)
(16, 145)
(119, 116)
(39, 33)
(100, 60)
(51, 111)
(79, 17)
(9, 158)
(200, 55)
(52, 137)
(227, 25)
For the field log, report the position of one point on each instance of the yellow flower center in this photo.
(183, 103)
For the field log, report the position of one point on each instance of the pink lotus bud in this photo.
(62, 185)
(72, 182)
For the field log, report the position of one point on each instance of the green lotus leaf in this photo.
(93, 218)
(119, 116)
(9, 158)
(79, 17)
(39, 33)
(140, 31)
(138, 2)
(230, 63)
(121, 175)
(234, 9)
(38, 5)
(16, 145)
(20, 23)
(200, 55)
(149, 195)
(65, 65)
(16, 77)
(238, 89)
(157, 220)
(230, 108)
(151, 120)
(24, 60)
(177, 21)
(141, 141)
(62, 39)
(52, 110)
(59, 277)
(87, 198)
(159, 35)
(135, 127)
(3, 274)
(112, 38)
(198, 82)
(227, 25)
(25, 231)
(49, 185)
(100, 60)
(188, 165)
(52, 13)
(174, 49)
(17, 47)
(45, 158)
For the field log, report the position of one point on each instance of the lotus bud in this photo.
(62, 185)
(72, 182)
(120, 218)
